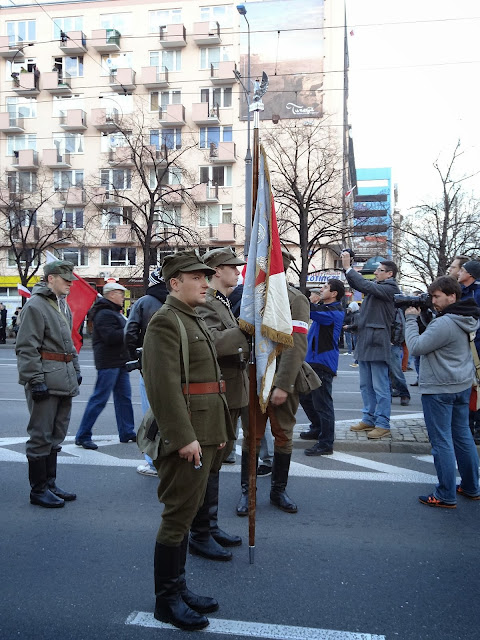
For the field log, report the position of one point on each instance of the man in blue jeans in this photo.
(322, 356)
(110, 355)
(445, 380)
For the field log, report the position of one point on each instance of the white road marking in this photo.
(239, 629)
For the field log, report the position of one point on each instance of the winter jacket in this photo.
(446, 364)
(323, 336)
(398, 328)
(141, 314)
(45, 328)
(376, 317)
(473, 291)
(109, 350)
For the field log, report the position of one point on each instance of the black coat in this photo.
(109, 349)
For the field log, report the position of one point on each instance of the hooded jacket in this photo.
(141, 314)
(473, 291)
(446, 364)
(323, 336)
(109, 350)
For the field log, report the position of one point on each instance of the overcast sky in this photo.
(414, 88)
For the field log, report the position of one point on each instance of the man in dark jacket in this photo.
(3, 324)
(322, 356)
(110, 356)
(373, 349)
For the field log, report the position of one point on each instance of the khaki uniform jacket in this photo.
(231, 346)
(163, 373)
(291, 360)
(44, 328)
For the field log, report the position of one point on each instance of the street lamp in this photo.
(248, 156)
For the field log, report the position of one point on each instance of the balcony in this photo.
(106, 40)
(10, 123)
(121, 156)
(25, 159)
(205, 33)
(26, 84)
(105, 120)
(172, 195)
(121, 233)
(223, 152)
(153, 156)
(203, 113)
(56, 83)
(73, 196)
(172, 115)
(11, 50)
(155, 77)
(173, 36)
(224, 232)
(224, 73)
(103, 198)
(73, 43)
(55, 160)
(203, 193)
(64, 235)
(73, 120)
(122, 80)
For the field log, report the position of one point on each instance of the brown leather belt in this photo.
(59, 357)
(197, 388)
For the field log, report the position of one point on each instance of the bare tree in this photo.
(429, 239)
(306, 173)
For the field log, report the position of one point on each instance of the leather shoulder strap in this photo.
(185, 354)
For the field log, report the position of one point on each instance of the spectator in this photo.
(457, 263)
(445, 380)
(3, 324)
(350, 328)
(397, 378)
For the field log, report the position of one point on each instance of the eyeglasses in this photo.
(384, 270)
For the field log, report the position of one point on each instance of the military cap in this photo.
(287, 258)
(184, 261)
(61, 268)
(225, 255)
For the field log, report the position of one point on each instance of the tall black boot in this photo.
(242, 506)
(211, 498)
(201, 604)
(169, 604)
(52, 476)
(201, 542)
(278, 495)
(40, 494)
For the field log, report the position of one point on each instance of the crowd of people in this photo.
(185, 337)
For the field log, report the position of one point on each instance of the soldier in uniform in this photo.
(283, 405)
(206, 539)
(48, 369)
(185, 392)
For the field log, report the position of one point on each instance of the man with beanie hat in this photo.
(48, 369)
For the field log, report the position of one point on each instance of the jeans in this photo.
(446, 418)
(318, 406)
(108, 380)
(399, 384)
(350, 340)
(375, 390)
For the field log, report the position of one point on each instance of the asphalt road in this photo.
(362, 559)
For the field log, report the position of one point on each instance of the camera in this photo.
(133, 365)
(422, 302)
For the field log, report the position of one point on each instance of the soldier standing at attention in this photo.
(48, 369)
(206, 539)
(185, 392)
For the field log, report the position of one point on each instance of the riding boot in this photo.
(242, 506)
(211, 498)
(201, 542)
(40, 494)
(201, 604)
(52, 476)
(169, 604)
(278, 495)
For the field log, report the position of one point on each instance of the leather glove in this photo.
(79, 379)
(39, 392)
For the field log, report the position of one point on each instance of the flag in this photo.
(352, 33)
(23, 291)
(265, 309)
(350, 191)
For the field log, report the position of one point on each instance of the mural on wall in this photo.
(287, 43)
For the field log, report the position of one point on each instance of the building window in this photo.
(113, 140)
(18, 143)
(219, 95)
(214, 214)
(113, 61)
(22, 182)
(211, 56)
(214, 135)
(114, 217)
(118, 257)
(20, 107)
(122, 22)
(220, 175)
(19, 31)
(221, 14)
(77, 256)
(161, 18)
(27, 255)
(118, 179)
(69, 66)
(12, 66)
(67, 142)
(170, 58)
(171, 177)
(63, 180)
(69, 218)
(168, 216)
(71, 23)
(117, 104)
(163, 98)
(61, 104)
(169, 138)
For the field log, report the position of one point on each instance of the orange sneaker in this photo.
(432, 501)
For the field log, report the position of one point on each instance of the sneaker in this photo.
(362, 426)
(354, 365)
(466, 495)
(318, 450)
(264, 470)
(230, 460)
(378, 433)
(404, 401)
(432, 501)
(132, 438)
(147, 470)
(347, 353)
(414, 384)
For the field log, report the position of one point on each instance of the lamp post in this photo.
(248, 156)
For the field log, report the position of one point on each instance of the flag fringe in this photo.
(277, 336)
(271, 359)
(246, 326)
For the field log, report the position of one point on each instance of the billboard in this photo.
(287, 43)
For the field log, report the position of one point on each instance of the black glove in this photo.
(79, 379)
(39, 392)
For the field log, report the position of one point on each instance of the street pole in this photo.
(248, 156)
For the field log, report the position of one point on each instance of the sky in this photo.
(414, 90)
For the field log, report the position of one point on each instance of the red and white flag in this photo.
(350, 191)
(23, 291)
(265, 309)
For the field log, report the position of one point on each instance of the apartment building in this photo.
(123, 126)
